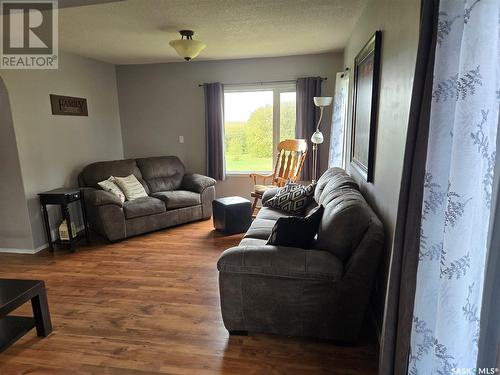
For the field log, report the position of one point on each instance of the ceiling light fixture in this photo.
(187, 48)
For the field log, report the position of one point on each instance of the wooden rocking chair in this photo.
(289, 162)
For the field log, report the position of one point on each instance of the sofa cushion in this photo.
(296, 231)
(345, 220)
(162, 173)
(93, 173)
(178, 198)
(260, 228)
(143, 207)
(332, 181)
(285, 262)
(271, 213)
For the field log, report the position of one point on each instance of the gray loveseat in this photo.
(322, 292)
(175, 197)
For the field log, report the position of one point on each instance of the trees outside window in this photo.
(255, 120)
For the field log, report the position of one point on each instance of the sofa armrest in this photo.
(197, 182)
(96, 197)
(281, 261)
(268, 194)
(362, 265)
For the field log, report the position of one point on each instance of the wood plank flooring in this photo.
(150, 305)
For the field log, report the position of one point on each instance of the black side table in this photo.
(63, 197)
(14, 293)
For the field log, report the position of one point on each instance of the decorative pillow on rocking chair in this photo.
(260, 189)
(292, 198)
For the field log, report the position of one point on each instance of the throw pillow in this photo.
(292, 198)
(110, 186)
(296, 231)
(131, 187)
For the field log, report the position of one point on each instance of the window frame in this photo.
(277, 89)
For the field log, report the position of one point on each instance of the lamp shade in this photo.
(322, 101)
(187, 48)
(317, 137)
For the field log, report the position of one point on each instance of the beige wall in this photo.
(15, 228)
(53, 149)
(399, 22)
(159, 102)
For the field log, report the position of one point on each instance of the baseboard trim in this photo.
(55, 233)
(24, 251)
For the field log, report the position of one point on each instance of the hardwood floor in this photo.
(150, 305)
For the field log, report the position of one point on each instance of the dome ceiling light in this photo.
(187, 48)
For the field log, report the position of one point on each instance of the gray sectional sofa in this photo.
(175, 197)
(321, 292)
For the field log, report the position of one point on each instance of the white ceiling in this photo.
(138, 31)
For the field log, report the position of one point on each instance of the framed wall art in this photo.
(364, 109)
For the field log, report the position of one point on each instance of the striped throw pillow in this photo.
(131, 187)
(110, 186)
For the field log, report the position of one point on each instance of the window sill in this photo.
(245, 174)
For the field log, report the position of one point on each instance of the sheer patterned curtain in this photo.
(338, 133)
(458, 187)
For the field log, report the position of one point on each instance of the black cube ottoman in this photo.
(232, 214)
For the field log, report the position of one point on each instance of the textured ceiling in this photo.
(138, 31)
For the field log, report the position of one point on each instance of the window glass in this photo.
(250, 129)
(248, 120)
(287, 115)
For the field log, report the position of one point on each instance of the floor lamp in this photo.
(317, 137)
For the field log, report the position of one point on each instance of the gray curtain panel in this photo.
(396, 331)
(307, 116)
(489, 337)
(214, 130)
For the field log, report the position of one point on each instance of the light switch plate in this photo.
(181, 139)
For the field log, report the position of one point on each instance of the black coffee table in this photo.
(14, 293)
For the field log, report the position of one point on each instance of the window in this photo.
(287, 115)
(255, 121)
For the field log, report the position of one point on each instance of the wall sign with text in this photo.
(68, 105)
